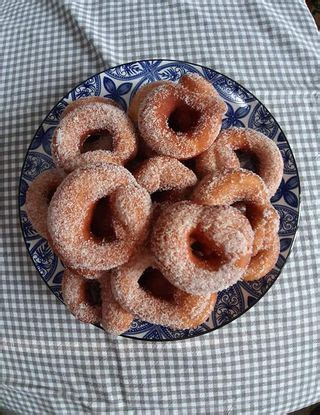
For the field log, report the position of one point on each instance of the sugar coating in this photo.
(232, 186)
(68, 218)
(153, 123)
(139, 97)
(224, 226)
(184, 311)
(114, 318)
(74, 296)
(264, 260)
(222, 155)
(37, 199)
(80, 122)
(157, 236)
(163, 173)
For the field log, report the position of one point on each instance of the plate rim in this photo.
(298, 206)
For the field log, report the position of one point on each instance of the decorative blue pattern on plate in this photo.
(115, 93)
(22, 192)
(27, 228)
(287, 190)
(44, 138)
(259, 287)
(44, 259)
(261, 120)
(36, 163)
(288, 220)
(233, 117)
(54, 116)
(228, 88)
(134, 70)
(90, 87)
(288, 161)
(120, 83)
(230, 304)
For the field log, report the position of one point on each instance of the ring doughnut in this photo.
(93, 302)
(89, 274)
(201, 249)
(196, 83)
(179, 122)
(90, 117)
(71, 215)
(264, 260)
(165, 178)
(141, 289)
(114, 318)
(82, 297)
(231, 186)
(138, 98)
(38, 197)
(222, 155)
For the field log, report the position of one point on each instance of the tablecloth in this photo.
(265, 362)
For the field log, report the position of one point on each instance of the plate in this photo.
(244, 110)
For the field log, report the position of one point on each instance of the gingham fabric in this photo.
(265, 362)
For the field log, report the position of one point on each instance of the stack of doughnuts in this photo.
(150, 211)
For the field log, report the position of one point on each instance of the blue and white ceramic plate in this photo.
(244, 110)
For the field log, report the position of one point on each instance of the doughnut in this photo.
(140, 288)
(264, 260)
(93, 302)
(222, 155)
(165, 178)
(114, 318)
(138, 98)
(198, 84)
(231, 186)
(90, 118)
(82, 102)
(201, 249)
(89, 274)
(71, 217)
(82, 297)
(180, 122)
(38, 197)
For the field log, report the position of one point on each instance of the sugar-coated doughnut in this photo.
(82, 297)
(38, 197)
(89, 274)
(71, 214)
(222, 155)
(201, 249)
(180, 122)
(88, 117)
(232, 186)
(83, 102)
(140, 95)
(264, 260)
(165, 177)
(93, 302)
(114, 318)
(139, 287)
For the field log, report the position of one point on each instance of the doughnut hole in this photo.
(159, 196)
(190, 163)
(99, 221)
(97, 140)
(205, 253)
(153, 282)
(241, 206)
(50, 194)
(253, 213)
(174, 195)
(183, 118)
(248, 160)
(92, 293)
